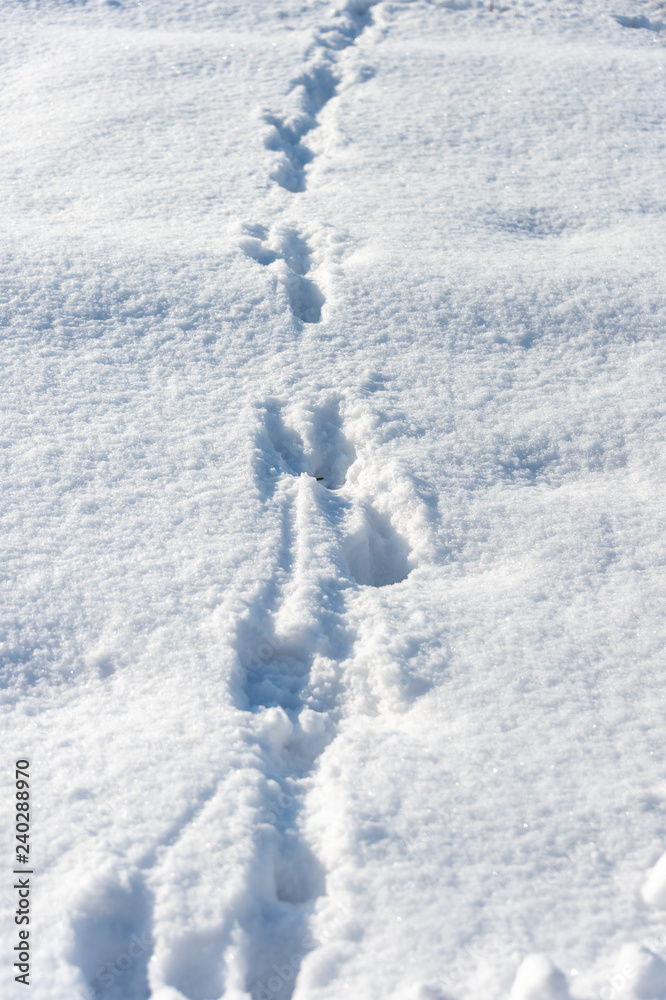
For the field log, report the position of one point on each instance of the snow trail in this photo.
(312, 90)
(297, 648)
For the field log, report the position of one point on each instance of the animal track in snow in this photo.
(376, 554)
(276, 935)
(300, 470)
(316, 87)
(293, 258)
(291, 645)
(321, 449)
(639, 21)
(313, 89)
(308, 454)
(293, 642)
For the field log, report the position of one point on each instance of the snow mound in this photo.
(654, 887)
(638, 973)
(538, 979)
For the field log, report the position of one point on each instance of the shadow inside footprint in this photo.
(376, 554)
(286, 442)
(639, 21)
(318, 85)
(112, 942)
(255, 249)
(295, 251)
(194, 964)
(289, 172)
(330, 453)
(299, 875)
(305, 298)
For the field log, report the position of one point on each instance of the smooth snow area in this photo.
(333, 521)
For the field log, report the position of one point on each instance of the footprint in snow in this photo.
(639, 21)
(375, 553)
(291, 257)
(314, 444)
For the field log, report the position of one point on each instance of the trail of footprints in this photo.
(313, 89)
(284, 136)
(114, 917)
(295, 640)
(293, 646)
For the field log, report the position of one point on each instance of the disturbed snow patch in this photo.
(289, 256)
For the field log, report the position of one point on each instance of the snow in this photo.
(332, 506)
(538, 979)
(653, 890)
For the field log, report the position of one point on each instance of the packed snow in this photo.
(334, 562)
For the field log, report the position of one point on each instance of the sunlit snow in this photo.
(333, 521)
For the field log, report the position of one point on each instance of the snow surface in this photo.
(332, 497)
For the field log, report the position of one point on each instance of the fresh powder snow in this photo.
(333, 519)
